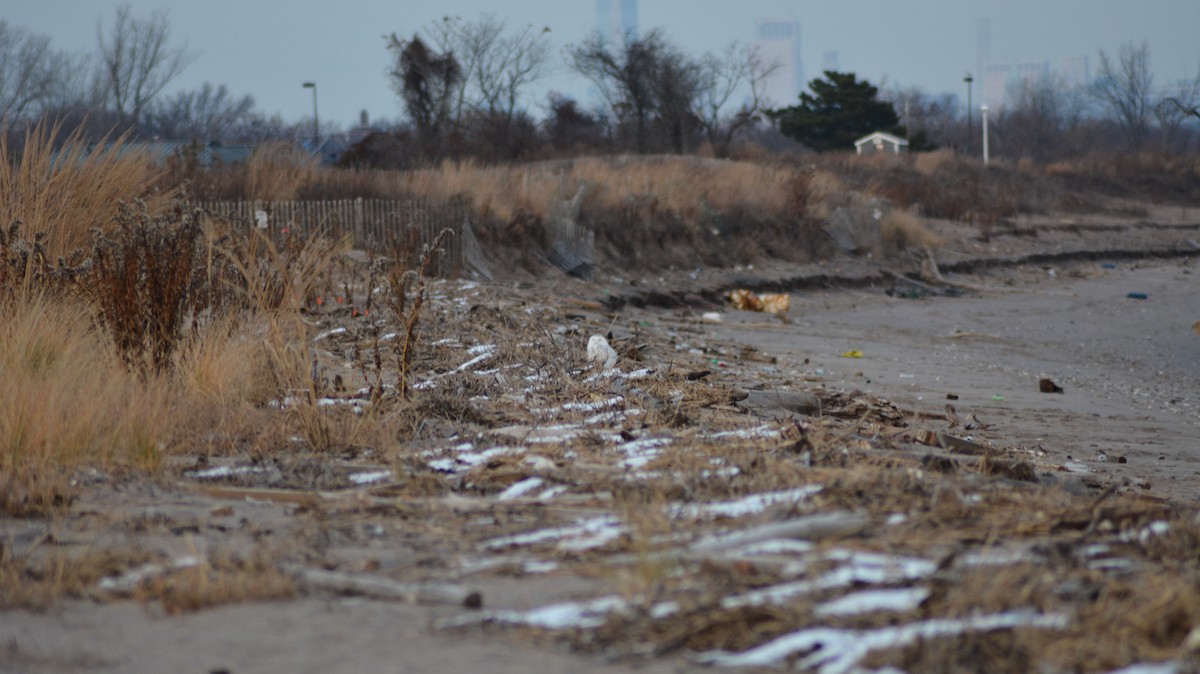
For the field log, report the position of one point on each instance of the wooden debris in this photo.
(812, 527)
(386, 588)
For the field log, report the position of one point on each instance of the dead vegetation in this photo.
(414, 437)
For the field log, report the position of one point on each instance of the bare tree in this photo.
(137, 62)
(1124, 89)
(1171, 112)
(497, 64)
(205, 114)
(1040, 121)
(32, 74)
(426, 81)
(676, 85)
(626, 76)
(722, 76)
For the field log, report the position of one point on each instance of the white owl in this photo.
(600, 353)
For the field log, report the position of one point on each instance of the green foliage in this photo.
(840, 110)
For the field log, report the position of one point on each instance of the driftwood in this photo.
(386, 588)
(823, 525)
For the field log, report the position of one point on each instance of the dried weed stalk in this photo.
(145, 283)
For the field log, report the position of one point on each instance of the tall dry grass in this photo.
(67, 400)
(278, 171)
(65, 188)
(689, 188)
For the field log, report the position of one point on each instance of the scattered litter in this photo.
(1138, 296)
(997, 397)
(852, 353)
(1046, 385)
(772, 303)
(712, 317)
(838, 651)
(1109, 265)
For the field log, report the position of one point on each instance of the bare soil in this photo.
(908, 412)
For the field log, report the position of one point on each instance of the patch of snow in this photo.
(223, 471)
(519, 489)
(329, 333)
(749, 505)
(370, 476)
(864, 568)
(838, 651)
(866, 601)
(574, 614)
(585, 534)
(129, 580)
(552, 492)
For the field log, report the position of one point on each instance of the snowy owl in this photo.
(600, 353)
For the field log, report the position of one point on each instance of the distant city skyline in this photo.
(779, 45)
(267, 50)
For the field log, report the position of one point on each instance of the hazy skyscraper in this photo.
(778, 43)
(983, 58)
(829, 61)
(616, 19)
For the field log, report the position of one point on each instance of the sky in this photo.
(268, 49)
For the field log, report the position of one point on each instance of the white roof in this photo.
(879, 135)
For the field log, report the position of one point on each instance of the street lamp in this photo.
(316, 124)
(984, 110)
(968, 79)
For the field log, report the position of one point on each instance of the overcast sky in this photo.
(268, 49)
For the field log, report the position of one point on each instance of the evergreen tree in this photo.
(840, 110)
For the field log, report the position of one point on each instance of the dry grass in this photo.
(67, 400)
(221, 579)
(278, 171)
(902, 229)
(63, 188)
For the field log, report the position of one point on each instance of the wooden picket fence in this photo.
(383, 225)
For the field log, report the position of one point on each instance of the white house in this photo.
(880, 142)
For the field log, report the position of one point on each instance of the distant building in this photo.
(881, 143)
(1000, 78)
(1075, 70)
(829, 61)
(617, 19)
(778, 43)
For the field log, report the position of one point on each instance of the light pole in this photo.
(316, 124)
(984, 109)
(968, 79)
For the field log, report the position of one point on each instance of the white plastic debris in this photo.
(600, 354)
